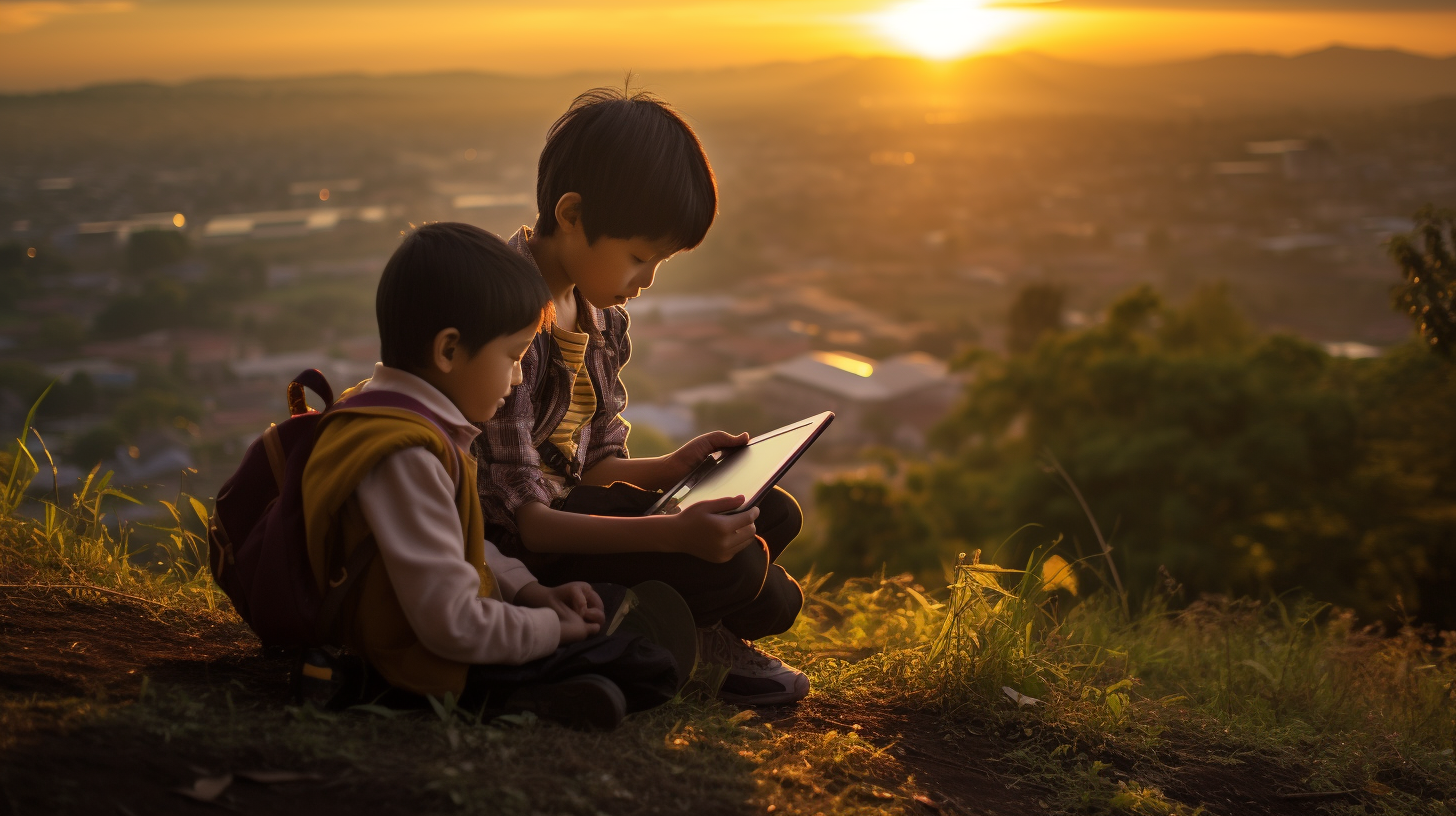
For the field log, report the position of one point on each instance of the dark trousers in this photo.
(646, 673)
(750, 594)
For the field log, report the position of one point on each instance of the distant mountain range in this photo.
(1028, 82)
(992, 85)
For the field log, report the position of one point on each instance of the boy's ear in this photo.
(445, 351)
(568, 211)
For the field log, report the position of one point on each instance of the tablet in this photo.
(749, 471)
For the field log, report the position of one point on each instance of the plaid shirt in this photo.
(510, 467)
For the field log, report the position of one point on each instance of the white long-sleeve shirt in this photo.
(409, 501)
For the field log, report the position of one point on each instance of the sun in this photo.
(943, 29)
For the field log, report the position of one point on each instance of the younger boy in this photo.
(623, 184)
(440, 609)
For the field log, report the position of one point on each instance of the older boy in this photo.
(441, 609)
(623, 184)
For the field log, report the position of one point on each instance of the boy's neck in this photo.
(563, 291)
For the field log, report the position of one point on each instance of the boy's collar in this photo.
(520, 242)
(412, 385)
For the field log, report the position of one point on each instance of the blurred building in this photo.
(894, 401)
(890, 402)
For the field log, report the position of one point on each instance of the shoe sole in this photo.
(781, 698)
(589, 701)
(767, 698)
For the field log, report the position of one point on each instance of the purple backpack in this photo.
(258, 549)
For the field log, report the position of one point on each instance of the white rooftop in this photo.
(1354, 351)
(852, 376)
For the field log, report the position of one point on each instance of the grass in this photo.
(1063, 702)
(70, 544)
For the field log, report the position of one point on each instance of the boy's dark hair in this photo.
(639, 168)
(450, 275)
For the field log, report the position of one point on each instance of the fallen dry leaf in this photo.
(927, 801)
(1019, 698)
(278, 777)
(207, 788)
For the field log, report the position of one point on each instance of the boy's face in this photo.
(478, 384)
(611, 271)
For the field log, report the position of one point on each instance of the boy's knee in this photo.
(786, 598)
(744, 573)
(773, 612)
(731, 585)
(779, 515)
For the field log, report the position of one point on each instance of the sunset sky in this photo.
(47, 44)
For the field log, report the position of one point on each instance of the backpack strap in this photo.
(341, 587)
(311, 378)
(394, 399)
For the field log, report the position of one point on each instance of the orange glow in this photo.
(945, 29)
(1148, 35)
(179, 220)
(892, 158)
(324, 194)
(64, 44)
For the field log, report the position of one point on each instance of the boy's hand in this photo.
(577, 606)
(704, 530)
(574, 628)
(576, 597)
(691, 454)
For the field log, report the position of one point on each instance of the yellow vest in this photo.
(350, 444)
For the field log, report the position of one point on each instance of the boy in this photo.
(623, 184)
(440, 609)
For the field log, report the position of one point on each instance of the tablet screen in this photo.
(746, 470)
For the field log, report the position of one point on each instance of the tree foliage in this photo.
(1241, 462)
(1427, 291)
(149, 250)
(1037, 310)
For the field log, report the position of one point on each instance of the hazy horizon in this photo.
(638, 74)
(50, 46)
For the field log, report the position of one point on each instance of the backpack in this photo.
(258, 543)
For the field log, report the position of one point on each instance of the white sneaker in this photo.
(754, 678)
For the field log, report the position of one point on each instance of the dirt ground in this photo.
(65, 656)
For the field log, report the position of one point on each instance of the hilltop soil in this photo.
(69, 655)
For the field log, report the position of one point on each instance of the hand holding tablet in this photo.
(750, 471)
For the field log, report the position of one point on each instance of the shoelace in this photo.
(724, 648)
(750, 655)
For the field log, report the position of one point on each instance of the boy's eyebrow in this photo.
(664, 254)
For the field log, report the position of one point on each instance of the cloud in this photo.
(1238, 5)
(23, 15)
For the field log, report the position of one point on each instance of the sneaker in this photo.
(754, 678)
(587, 701)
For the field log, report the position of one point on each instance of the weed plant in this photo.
(1329, 707)
(71, 544)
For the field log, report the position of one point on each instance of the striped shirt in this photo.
(583, 397)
